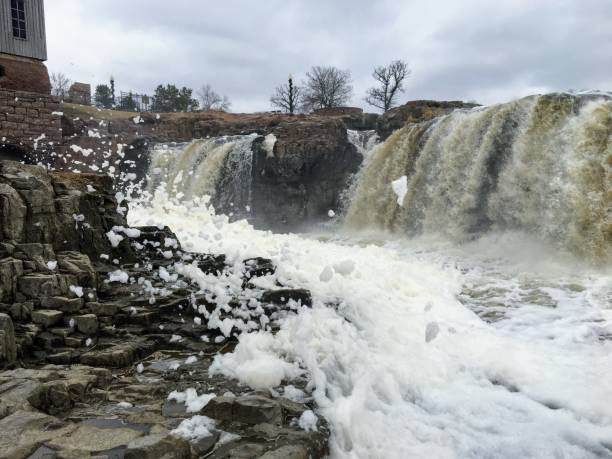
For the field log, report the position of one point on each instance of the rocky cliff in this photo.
(106, 345)
(416, 111)
(303, 177)
(295, 182)
(298, 181)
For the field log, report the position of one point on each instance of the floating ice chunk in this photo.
(166, 276)
(345, 267)
(294, 394)
(140, 368)
(227, 437)
(114, 238)
(118, 276)
(193, 402)
(176, 339)
(255, 363)
(78, 291)
(129, 232)
(52, 265)
(331, 213)
(170, 242)
(90, 189)
(268, 144)
(124, 405)
(191, 359)
(327, 274)
(195, 428)
(400, 188)
(308, 421)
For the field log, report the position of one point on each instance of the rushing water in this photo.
(541, 164)
(219, 167)
(364, 141)
(443, 344)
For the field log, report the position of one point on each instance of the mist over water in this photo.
(474, 319)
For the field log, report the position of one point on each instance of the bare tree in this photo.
(60, 84)
(212, 100)
(287, 97)
(390, 80)
(327, 87)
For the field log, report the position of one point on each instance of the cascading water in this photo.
(364, 141)
(541, 164)
(219, 167)
(234, 187)
(421, 347)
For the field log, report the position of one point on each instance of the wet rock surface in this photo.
(106, 342)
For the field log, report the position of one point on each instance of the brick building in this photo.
(79, 93)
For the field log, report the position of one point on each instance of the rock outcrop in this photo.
(303, 177)
(416, 111)
(104, 343)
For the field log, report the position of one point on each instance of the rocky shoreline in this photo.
(107, 346)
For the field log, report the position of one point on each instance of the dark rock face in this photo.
(305, 174)
(40, 207)
(415, 111)
(103, 355)
(352, 117)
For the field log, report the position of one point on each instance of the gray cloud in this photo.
(473, 49)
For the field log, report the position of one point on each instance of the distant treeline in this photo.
(322, 87)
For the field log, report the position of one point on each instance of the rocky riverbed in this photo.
(106, 347)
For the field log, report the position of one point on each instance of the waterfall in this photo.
(364, 141)
(218, 167)
(541, 164)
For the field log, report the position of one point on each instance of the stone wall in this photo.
(29, 120)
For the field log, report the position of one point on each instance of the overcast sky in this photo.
(484, 50)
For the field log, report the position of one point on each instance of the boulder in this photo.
(87, 324)
(61, 303)
(257, 267)
(415, 111)
(79, 265)
(46, 317)
(8, 348)
(86, 440)
(283, 296)
(10, 270)
(158, 445)
(304, 176)
(248, 409)
(22, 432)
(103, 309)
(42, 285)
(13, 212)
(287, 452)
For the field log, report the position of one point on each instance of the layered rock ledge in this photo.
(106, 349)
